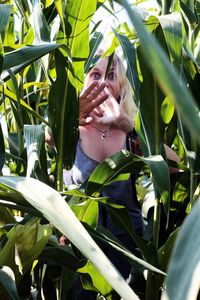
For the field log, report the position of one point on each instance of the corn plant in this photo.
(45, 47)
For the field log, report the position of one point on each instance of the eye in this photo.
(111, 76)
(95, 76)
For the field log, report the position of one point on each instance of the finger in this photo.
(88, 120)
(93, 90)
(97, 112)
(100, 99)
(86, 92)
(85, 120)
(97, 91)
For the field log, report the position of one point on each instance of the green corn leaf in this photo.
(7, 279)
(172, 29)
(167, 77)
(14, 200)
(39, 24)
(19, 59)
(126, 162)
(16, 107)
(79, 15)
(182, 281)
(94, 44)
(85, 211)
(160, 173)
(95, 281)
(34, 138)
(164, 252)
(59, 7)
(151, 126)
(188, 9)
(130, 55)
(24, 105)
(6, 216)
(56, 210)
(5, 11)
(2, 149)
(102, 235)
(63, 116)
(62, 256)
(24, 244)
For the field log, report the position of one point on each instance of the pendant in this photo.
(105, 134)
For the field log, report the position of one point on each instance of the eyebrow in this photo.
(97, 69)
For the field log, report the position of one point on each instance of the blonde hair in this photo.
(126, 93)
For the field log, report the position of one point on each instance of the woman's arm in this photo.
(123, 122)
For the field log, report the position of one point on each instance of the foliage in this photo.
(45, 46)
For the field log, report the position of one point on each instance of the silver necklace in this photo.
(104, 133)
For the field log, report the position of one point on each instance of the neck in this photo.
(100, 126)
(104, 132)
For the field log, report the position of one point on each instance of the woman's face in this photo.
(97, 73)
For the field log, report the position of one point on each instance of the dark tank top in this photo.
(121, 192)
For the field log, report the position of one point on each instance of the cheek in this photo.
(115, 90)
(87, 82)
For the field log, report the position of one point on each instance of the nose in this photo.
(106, 83)
(104, 80)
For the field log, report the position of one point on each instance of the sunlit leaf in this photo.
(182, 281)
(94, 44)
(56, 210)
(39, 24)
(34, 138)
(97, 280)
(166, 75)
(86, 211)
(25, 243)
(167, 110)
(24, 105)
(172, 28)
(79, 16)
(101, 235)
(19, 59)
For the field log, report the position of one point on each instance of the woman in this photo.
(107, 115)
(107, 112)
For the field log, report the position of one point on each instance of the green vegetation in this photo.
(45, 46)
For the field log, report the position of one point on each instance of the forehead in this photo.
(102, 64)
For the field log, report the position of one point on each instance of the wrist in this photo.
(124, 123)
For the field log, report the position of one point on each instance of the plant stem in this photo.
(59, 181)
(151, 287)
(193, 185)
(164, 7)
(156, 220)
(151, 290)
